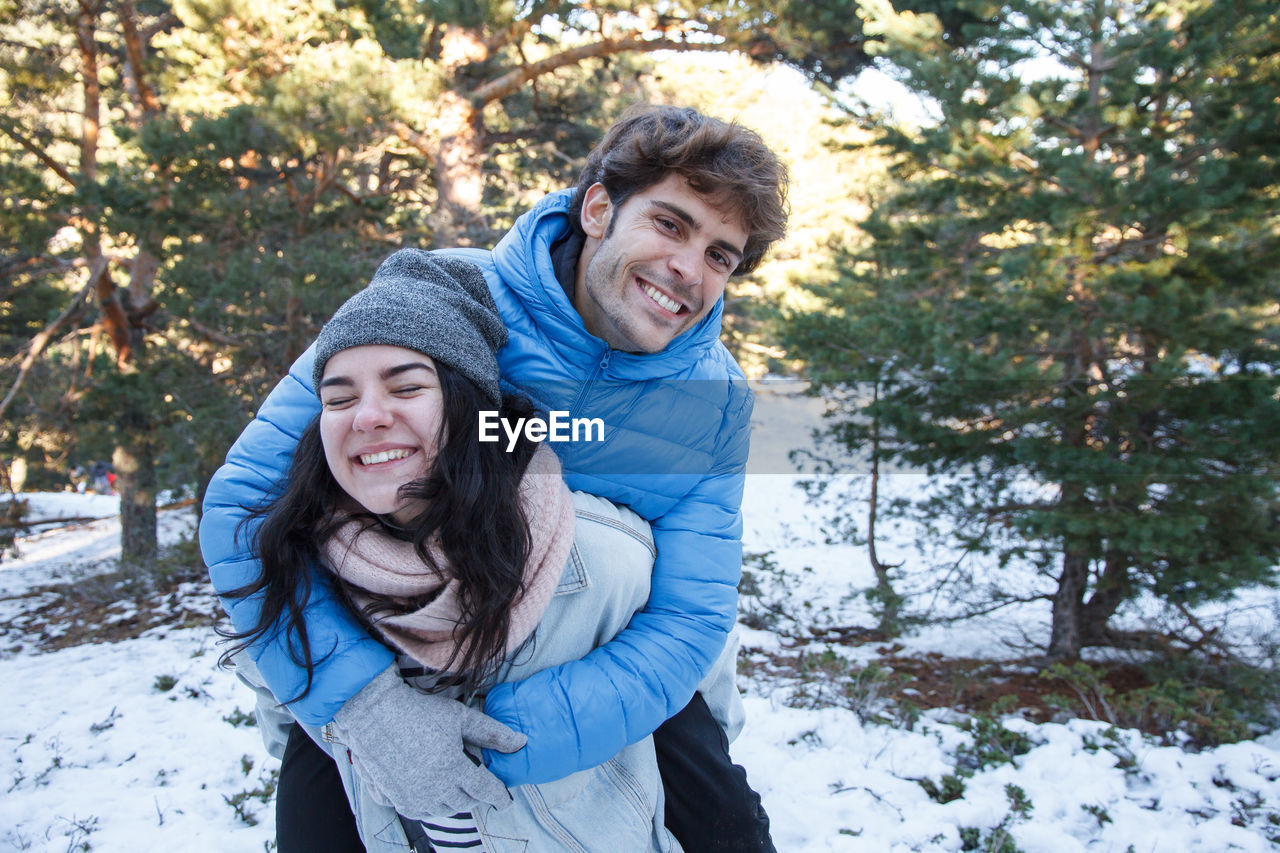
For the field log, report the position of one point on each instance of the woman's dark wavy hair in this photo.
(473, 513)
(726, 163)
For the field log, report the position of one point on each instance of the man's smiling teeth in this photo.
(384, 456)
(661, 298)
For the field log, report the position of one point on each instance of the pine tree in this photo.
(143, 164)
(1070, 297)
(192, 186)
(499, 72)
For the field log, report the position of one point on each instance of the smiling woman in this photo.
(454, 552)
(403, 368)
(380, 421)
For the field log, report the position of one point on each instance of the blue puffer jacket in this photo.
(675, 445)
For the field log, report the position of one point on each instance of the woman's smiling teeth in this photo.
(661, 298)
(385, 456)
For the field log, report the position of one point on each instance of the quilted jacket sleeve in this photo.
(347, 657)
(622, 691)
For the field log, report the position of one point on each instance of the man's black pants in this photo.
(710, 806)
(312, 812)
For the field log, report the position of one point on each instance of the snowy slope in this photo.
(143, 744)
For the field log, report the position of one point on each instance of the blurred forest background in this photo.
(1046, 270)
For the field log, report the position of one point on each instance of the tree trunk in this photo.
(1112, 590)
(459, 157)
(1065, 635)
(134, 463)
(134, 456)
(889, 600)
(459, 179)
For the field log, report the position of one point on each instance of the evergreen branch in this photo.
(41, 340)
(268, 177)
(1080, 133)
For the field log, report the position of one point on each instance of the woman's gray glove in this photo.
(408, 746)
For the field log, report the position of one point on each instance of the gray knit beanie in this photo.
(434, 304)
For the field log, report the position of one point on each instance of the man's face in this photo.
(653, 267)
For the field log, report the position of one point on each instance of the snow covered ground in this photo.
(145, 744)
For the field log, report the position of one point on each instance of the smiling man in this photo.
(653, 267)
(612, 294)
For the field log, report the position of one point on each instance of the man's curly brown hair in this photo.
(729, 165)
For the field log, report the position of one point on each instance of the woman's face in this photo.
(380, 423)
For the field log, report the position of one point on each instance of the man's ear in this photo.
(596, 211)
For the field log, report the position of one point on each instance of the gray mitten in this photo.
(408, 747)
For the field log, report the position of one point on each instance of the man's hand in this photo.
(408, 747)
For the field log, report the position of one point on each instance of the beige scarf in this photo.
(372, 560)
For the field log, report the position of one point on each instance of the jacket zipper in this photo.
(601, 366)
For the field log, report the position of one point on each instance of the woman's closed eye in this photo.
(337, 402)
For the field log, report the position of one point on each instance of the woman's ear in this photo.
(597, 209)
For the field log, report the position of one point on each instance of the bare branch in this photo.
(40, 341)
(63, 520)
(164, 23)
(509, 35)
(53, 165)
(133, 52)
(115, 321)
(988, 609)
(91, 116)
(512, 81)
(214, 335)
(417, 141)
